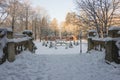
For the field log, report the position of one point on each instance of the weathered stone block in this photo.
(11, 51)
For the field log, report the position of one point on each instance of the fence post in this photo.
(11, 51)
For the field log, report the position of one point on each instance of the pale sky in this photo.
(56, 8)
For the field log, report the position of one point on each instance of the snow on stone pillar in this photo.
(11, 51)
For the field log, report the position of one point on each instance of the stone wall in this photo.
(109, 44)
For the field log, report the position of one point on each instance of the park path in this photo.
(59, 64)
(70, 64)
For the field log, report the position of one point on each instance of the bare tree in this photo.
(40, 23)
(44, 26)
(3, 11)
(27, 12)
(13, 8)
(19, 14)
(99, 13)
(72, 21)
(23, 16)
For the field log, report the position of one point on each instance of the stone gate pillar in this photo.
(11, 51)
(112, 51)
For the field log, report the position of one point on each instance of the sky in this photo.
(56, 8)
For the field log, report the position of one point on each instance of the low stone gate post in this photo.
(11, 51)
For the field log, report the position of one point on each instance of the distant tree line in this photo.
(72, 26)
(20, 15)
(92, 14)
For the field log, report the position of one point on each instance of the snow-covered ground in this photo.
(59, 64)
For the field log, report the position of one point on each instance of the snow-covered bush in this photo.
(51, 45)
(43, 43)
(46, 44)
(76, 43)
(67, 45)
(70, 45)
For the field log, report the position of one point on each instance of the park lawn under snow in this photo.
(59, 64)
